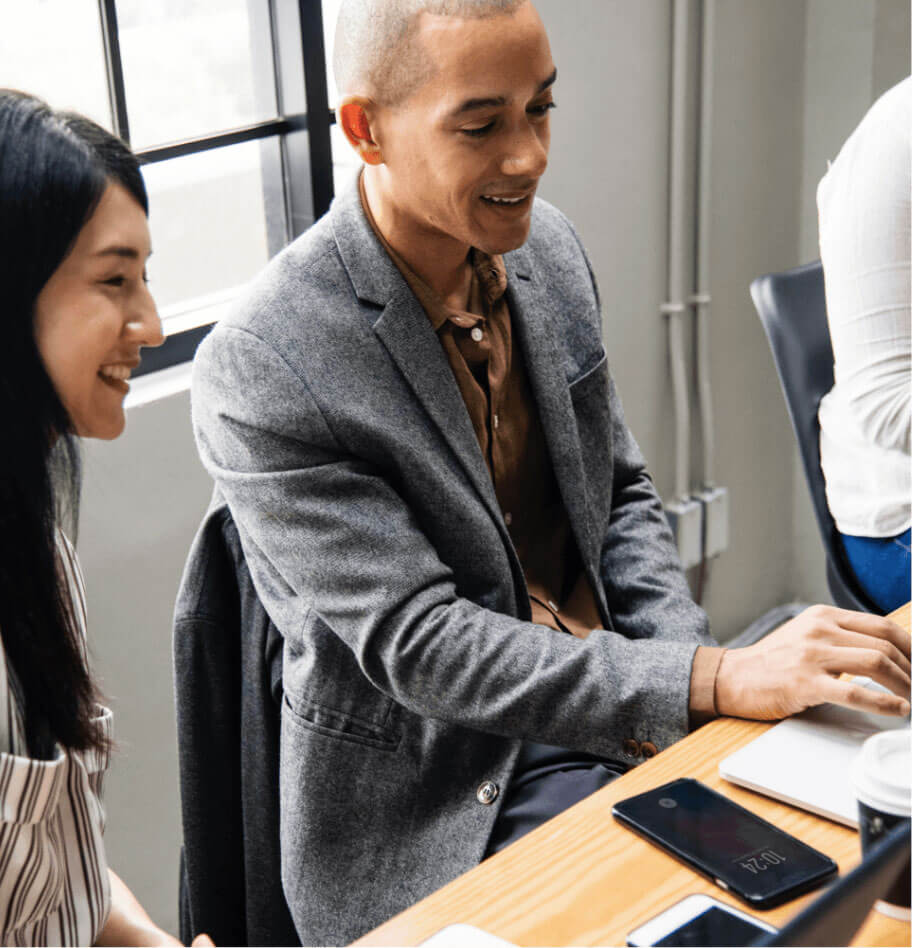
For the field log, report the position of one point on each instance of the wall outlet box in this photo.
(715, 520)
(685, 517)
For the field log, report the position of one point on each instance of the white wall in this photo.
(143, 498)
(145, 493)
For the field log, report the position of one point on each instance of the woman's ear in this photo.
(354, 119)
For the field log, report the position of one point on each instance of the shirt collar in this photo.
(489, 280)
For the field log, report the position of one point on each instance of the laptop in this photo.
(806, 760)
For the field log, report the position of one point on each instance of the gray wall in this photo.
(609, 173)
(787, 93)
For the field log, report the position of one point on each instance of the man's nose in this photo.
(527, 156)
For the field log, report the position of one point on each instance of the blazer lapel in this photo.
(404, 329)
(409, 338)
(532, 320)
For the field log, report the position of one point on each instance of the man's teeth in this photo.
(503, 200)
(121, 372)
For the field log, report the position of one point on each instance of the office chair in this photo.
(792, 308)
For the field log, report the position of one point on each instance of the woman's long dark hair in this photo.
(54, 168)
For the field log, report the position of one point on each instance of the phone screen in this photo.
(751, 857)
(714, 928)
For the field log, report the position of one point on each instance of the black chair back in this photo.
(792, 308)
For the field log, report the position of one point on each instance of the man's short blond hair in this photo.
(376, 53)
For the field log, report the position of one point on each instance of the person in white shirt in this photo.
(75, 310)
(864, 209)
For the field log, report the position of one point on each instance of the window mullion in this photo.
(114, 68)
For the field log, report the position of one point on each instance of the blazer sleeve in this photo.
(640, 567)
(324, 531)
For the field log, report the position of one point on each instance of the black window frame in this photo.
(302, 185)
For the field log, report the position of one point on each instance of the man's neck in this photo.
(441, 261)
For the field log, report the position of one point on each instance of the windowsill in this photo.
(158, 385)
(180, 317)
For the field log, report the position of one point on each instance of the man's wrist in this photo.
(704, 672)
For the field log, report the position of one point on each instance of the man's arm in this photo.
(795, 667)
(646, 588)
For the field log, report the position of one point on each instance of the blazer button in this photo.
(648, 749)
(631, 747)
(487, 792)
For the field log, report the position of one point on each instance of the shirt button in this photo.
(631, 747)
(487, 792)
(496, 421)
(477, 334)
(648, 749)
(508, 518)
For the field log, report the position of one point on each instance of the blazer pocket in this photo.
(345, 727)
(591, 379)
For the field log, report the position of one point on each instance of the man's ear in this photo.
(354, 117)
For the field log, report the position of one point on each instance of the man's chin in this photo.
(498, 245)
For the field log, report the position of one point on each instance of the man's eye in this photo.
(115, 281)
(478, 132)
(543, 109)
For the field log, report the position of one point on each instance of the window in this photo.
(224, 101)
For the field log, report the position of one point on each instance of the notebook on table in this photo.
(806, 760)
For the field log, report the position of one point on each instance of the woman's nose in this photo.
(145, 327)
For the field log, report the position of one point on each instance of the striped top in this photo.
(54, 885)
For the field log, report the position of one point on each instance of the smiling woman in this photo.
(76, 310)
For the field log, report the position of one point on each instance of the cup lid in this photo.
(883, 771)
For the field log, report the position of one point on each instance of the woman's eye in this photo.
(115, 281)
(477, 132)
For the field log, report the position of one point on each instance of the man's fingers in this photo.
(843, 638)
(856, 696)
(871, 663)
(873, 625)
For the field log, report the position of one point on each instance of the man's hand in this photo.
(798, 665)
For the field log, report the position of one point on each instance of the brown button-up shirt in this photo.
(490, 373)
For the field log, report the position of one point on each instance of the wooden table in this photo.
(582, 879)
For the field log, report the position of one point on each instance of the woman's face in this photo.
(95, 312)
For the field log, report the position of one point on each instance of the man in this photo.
(412, 421)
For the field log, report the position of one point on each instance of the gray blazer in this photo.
(327, 413)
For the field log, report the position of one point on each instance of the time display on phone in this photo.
(760, 862)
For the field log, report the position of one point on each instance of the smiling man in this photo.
(412, 421)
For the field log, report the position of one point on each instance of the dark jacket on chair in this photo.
(228, 682)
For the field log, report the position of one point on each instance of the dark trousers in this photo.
(546, 784)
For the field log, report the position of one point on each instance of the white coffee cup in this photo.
(882, 775)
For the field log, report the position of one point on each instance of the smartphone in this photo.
(700, 920)
(729, 845)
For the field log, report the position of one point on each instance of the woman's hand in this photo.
(129, 924)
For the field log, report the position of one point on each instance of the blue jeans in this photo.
(881, 566)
